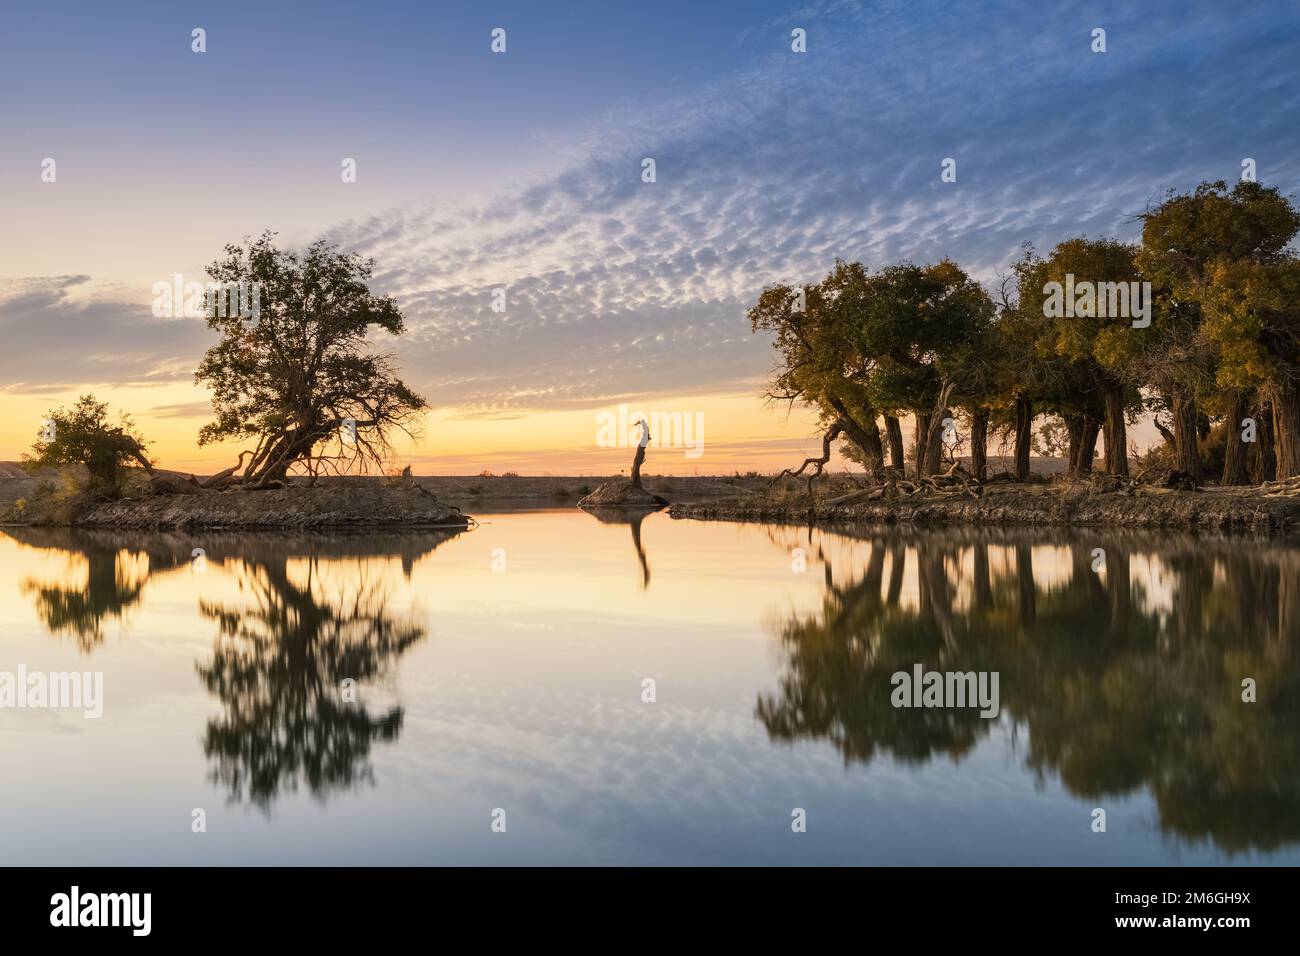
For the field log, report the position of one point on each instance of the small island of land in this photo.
(60, 497)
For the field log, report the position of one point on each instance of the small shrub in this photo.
(86, 436)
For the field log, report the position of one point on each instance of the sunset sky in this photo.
(523, 169)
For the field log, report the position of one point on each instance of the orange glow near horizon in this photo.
(740, 434)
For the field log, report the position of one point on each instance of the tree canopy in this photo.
(86, 435)
(1198, 319)
(299, 379)
(859, 343)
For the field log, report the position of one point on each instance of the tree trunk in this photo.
(1263, 465)
(864, 433)
(1024, 435)
(1234, 456)
(1186, 457)
(1116, 435)
(639, 458)
(280, 454)
(1074, 429)
(934, 442)
(894, 429)
(897, 569)
(1083, 578)
(934, 589)
(1166, 434)
(1190, 586)
(1286, 427)
(919, 441)
(818, 464)
(1087, 446)
(979, 435)
(1288, 598)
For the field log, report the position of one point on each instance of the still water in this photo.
(505, 669)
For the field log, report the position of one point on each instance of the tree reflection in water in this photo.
(1121, 680)
(278, 667)
(633, 518)
(80, 612)
(281, 655)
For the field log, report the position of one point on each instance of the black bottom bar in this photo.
(363, 906)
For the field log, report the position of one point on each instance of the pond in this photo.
(554, 687)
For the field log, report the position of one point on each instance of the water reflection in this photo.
(1118, 681)
(1119, 677)
(112, 585)
(634, 518)
(283, 650)
(278, 668)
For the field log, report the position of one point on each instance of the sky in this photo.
(522, 170)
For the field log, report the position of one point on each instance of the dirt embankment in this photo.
(622, 494)
(1234, 509)
(56, 498)
(371, 506)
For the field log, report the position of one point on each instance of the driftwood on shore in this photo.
(1283, 488)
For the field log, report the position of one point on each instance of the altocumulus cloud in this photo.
(617, 288)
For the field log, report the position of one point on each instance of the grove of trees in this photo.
(1217, 368)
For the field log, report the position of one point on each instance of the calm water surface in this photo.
(513, 679)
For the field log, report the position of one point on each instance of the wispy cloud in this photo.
(54, 340)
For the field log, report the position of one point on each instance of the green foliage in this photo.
(923, 326)
(1186, 236)
(865, 342)
(85, 435)
(1253, 316)
(819, 364)
(1192, 244)
(1224, 300)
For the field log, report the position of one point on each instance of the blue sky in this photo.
(522, 170)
